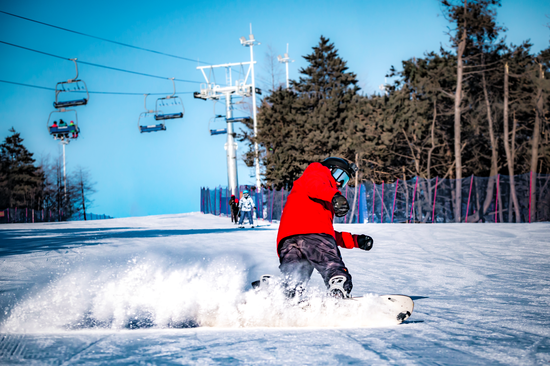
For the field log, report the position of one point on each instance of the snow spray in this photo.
(147, 293)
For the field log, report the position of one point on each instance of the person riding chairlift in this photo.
(54, 125)
(75, 132)
(63, 124)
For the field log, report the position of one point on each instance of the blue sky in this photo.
(159, 173)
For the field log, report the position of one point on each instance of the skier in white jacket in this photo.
(246, 205)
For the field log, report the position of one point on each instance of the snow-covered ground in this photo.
(175, 289)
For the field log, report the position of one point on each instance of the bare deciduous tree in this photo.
(273, 70)
(83, 189)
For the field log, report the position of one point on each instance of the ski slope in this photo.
(175, 289)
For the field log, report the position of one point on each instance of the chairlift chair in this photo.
(218, 131)
(63, 132)
(71, 85)
(152, 128)
(172, 101)
(143, 115)
(238, 119)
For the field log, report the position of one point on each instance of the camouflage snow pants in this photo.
(300, 254)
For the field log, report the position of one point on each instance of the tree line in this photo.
(478, 108)
(26, 184)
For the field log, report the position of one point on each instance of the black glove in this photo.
(340, 204)
(365, 242)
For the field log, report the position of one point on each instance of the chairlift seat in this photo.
(63, 129)
(70, 103)
(152, 128)
(238, 119)
(220, 131)
(161, 117)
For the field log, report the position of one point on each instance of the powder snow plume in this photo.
(144, 294)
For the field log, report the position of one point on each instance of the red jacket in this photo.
(309, 210)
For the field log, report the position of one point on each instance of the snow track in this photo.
(175, 289)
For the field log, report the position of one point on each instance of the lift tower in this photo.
(285, 60)
(250, 42)
(210, 90)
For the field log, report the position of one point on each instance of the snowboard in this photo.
(398, 306)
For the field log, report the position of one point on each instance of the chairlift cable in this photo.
(104, 39)
(91, 92)
(97, 65)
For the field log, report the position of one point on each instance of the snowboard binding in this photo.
(293, 293)
(263, 283)
(336, 288)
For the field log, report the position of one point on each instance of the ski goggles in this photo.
(340, 176)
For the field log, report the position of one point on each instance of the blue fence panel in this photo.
(418, 200)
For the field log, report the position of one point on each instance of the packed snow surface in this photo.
(175, 289)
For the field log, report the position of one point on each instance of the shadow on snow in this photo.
(14, 242)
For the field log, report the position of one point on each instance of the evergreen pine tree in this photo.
(411, 131)
(311, 122)
(20, 180)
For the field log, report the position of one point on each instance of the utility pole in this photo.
(285, 60)
(64, 142)
(231, 147)
(250, 43)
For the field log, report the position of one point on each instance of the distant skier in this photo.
(246, 205)
(234, 207)
(306, 238)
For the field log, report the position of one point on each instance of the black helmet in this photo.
(341, 169)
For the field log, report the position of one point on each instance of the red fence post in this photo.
(260, 204)
(282, 198)
(394, 197)
(359, 204)
(414, 195)
(435, 195)
(496, 200)
(373, 197)
(382, 202)
(469, 195)
(530, 184)
(272, 199)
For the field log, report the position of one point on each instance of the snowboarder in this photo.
(307, 240)
(246, 205)
(234, 206)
